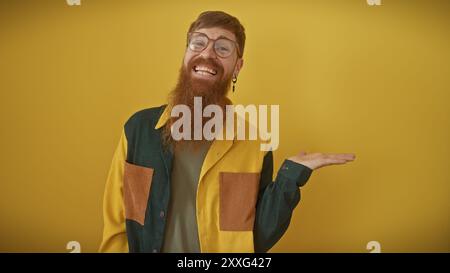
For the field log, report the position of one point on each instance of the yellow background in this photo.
(349, 77)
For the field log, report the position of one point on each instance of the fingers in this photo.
(336, 159)
(349, 157)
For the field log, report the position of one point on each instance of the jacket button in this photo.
(161, 214)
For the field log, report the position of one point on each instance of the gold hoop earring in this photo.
(234, 82)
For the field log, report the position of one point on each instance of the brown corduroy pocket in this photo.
(238, 196)
(137, 181)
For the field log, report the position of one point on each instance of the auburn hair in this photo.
(224, 20)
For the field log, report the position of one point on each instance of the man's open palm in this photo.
(318, 160)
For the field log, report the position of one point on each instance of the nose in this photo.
(209, 52)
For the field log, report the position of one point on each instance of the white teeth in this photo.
(205, 69)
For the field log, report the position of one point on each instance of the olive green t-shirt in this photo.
(181, 234)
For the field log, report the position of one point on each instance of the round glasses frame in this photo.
(236, 46)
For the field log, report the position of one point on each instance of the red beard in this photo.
(212, 91)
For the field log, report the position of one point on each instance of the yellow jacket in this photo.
(238, 207)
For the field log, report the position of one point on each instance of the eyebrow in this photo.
(220, 37)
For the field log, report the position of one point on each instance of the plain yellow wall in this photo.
(348, 78)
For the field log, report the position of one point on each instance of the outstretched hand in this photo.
(318, 160)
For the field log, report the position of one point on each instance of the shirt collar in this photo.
(165, 116)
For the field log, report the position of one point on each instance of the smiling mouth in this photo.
(203, 70)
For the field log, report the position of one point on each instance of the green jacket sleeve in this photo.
(277, 200)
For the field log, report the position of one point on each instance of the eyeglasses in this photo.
(223, 47)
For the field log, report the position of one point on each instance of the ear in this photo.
(238, 67)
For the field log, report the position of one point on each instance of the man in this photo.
(196, 195)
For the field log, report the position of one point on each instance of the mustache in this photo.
(210, 62)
